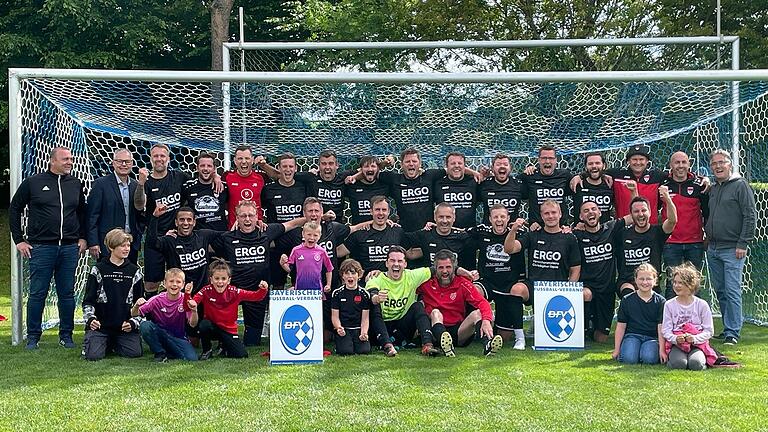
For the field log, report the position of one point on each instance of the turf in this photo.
(53, 389)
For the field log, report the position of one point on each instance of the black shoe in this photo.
(33, 344)
(206, 355)
(730, 340)
(493, 346)
(67, 342)
(219, 352)
(721, 336)
(161, 358)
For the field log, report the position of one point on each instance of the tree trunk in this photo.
(220, 13)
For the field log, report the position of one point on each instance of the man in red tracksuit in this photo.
(686, 243)
(648, 182)
(445, 296)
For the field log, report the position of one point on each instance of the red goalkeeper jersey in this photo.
(243, 189)
(451, 299)
(221, 307)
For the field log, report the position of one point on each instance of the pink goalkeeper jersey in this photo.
(310, 263)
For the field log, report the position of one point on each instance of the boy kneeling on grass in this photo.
(220, 301)
(164, 330)
(112, 286)
(350, 311)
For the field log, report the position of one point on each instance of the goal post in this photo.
(476, 112)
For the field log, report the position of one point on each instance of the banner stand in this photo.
(558, 313)
(295, 327)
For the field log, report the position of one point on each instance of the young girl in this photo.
(113, 285)
(220, 301)
(687, 324)
(638, 332)
(350, 310)
(310, 260)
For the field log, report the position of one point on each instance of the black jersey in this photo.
(634, 248)
(598, 262)
(283, 203)
(601, 194)
(110, 292)
(248, 254)
(642, 317)
(370, 246)
(413, 197)
(430, 242)
(550, 255)
(166, 190)
(509, 194)
(462, 195)
(328, 192)
(189, 253)
(538, 188)
(209, 207)
(359, 196)
(350, 303)
(497, 267)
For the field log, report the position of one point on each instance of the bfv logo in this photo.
(296, 329)
(559, 318)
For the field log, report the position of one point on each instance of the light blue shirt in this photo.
(125, 193)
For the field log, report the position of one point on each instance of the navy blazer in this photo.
(106, 212)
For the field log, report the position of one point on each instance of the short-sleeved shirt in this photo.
(496, 267)
(310, 263)
(462, 195)
(248, 254)
(359, 195)
(209, 207)
(598, 260)
(509, 194)
(332, 235)
(430, 242)
(634, 248)
(167, 191)
(413, 197)
(401, 293)
(370, 246)
(601, 195)
(350, 303)
(167, 314)
(640, 316)
(539, 188)
(328, 192)
(246, 188)
(283, 203)
(550, 255)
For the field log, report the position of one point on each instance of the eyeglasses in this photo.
(719, 163)
(124, 161)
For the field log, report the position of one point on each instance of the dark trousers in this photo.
(676, 254)
(377, 329)
(253, 318)
(97, 343)
(404, 329)
(350, 343)
(229, 342)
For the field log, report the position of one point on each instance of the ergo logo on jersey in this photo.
(637, 253)
(191, 257)
(457, 196)
(506, 202)
(549, 193)
(597, 250)
(546, 255)
(415, 192)
(250, 251)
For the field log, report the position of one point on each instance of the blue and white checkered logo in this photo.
(559, 318)
(296, 329)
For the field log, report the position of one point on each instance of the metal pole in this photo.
(14, 131)
(735, 117)
(242, 85)
(225, 121)
(719, 34)
(489, 44)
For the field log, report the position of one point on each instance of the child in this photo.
(164, 331)
(220, 301)
(638, 330)
(350, 309)
(309, 259)
(687, 324)
(112, 286)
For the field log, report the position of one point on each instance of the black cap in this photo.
(642, 150)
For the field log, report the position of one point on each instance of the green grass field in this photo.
(53, 389)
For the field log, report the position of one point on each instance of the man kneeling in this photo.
(445, 296)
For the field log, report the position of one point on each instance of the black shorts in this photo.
(503, 302)
(154, 265)
(454, 332)
(601, 310)
(621, 293)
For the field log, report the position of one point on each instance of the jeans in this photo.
(725, 273)
(637, 348)
(160, 341)
(676, 254)
(59, 262)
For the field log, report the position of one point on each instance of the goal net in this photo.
(480, 116)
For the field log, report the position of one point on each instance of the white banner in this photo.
(558, 313)
(295, 327)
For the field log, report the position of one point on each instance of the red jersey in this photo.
(692, 209)
(221, 308)
(242, 188)
(451, 299)
(647, 187)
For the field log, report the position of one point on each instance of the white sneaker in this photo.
(519, 344)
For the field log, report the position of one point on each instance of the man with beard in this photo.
(546, 183)
(501, 189)
(370, 246)
(458, 189)
(643, 242)
(553, 255)
(445, 297)
(647, 182)
(686, 243)
(594, 187)
(365, 187)
(244, 183)
(428, 241)
(247, 251)
(200, 195)
(598, 267)
(499, 272)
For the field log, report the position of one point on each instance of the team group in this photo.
(425, 274)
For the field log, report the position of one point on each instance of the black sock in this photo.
(438, 330)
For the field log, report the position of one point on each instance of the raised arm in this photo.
(511, 243)
(669, 224)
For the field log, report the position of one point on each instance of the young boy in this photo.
(112, 286)
(309, 259)
(164, 330)
(350, 312)
(220, 301)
